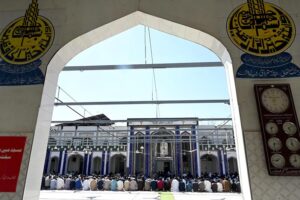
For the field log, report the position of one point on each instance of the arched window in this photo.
(52, 142)
(77, 141)
(88, 141)
(54, 165)
(205, 140)
(139, 142)
(123, 141)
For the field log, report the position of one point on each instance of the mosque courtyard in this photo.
(137, 195)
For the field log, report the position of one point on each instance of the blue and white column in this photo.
(147, 152)
(103, 163)
(107, 161)
(90, 163)
(60, 162)
(225, 162)
(47, 161)
(195, 152)
(221, 161)
(198, 154)
(130, 152)
(85, 162)
(64, 162)
(178, 150)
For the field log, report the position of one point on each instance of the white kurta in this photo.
(175, 185)
(86, 185)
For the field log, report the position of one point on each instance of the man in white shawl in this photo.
(175, 185)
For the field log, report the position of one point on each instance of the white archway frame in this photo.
(71, 49)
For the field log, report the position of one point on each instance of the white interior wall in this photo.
(21, 105)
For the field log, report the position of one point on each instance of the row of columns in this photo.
(87, 162)
(105, 161)
(222, 156)
(178, 152)
(195, 161)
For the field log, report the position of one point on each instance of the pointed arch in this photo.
(75, 164)
(118, 162)
(209, 163)
(71, 49)
(96, 165)
(54, 162)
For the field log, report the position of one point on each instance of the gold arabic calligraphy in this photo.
(261, 29)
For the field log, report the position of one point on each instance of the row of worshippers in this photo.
(225, 184)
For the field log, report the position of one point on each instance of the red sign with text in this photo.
(11, 153)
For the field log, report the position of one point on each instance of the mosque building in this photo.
(148, 146)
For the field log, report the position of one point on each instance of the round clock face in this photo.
(289, 128)
(271, 128)
(275, 100)
(275, 144)
(292, 144)
(278, 161)
(295, 160)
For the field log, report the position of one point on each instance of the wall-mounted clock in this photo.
(280, 128)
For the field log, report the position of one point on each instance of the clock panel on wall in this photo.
(280, 128)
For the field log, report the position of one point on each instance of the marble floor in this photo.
(138, 195)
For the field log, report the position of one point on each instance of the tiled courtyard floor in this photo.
(138, 195)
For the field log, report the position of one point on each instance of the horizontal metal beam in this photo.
(138, 130)
(226, 101)
(143, 66)
(142, 120)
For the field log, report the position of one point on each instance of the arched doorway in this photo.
(163, 152)
(96, 169)
(75, 164)
(187, 153)
(139, 153)
(88, 142)
(84, 41)
(118, 162)
(232, 165)
(209, 163)
(54, 165)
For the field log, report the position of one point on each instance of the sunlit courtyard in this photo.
(108, 195)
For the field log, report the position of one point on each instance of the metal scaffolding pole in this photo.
(225, 101)
(143, 66)
(141, 120)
